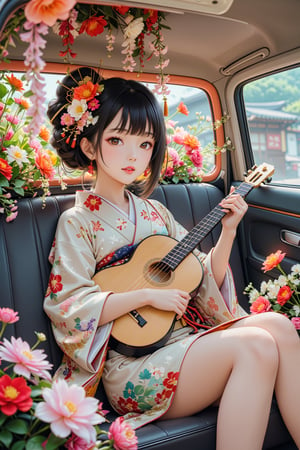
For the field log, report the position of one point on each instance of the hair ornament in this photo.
(82, 100)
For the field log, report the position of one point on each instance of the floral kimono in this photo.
(90, 236)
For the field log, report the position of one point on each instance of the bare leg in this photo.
(240, 367)
(287, 382)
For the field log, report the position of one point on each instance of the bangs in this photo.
(139, 116)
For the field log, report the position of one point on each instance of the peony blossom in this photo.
(68, 410)
(27, 362)
(261, 304)
(8, 315)
(296, 322)
(5, 169)
(197, 158)
(272, 261)
(284, 294)
(48, 11)
(44, 164)
(123, 435)
(14, 395)
(93, 26)
(77, 443)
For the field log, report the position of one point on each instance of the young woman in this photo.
(117, 127)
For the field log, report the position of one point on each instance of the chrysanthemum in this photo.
(17, 154)
(27, 362)
(68, 410)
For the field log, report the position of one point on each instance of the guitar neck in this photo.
(200, 231)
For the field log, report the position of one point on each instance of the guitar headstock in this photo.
(258, 175)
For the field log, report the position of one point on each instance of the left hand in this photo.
(235, 207)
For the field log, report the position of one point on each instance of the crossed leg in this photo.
(241, 366)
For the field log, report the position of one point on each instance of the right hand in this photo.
(169, 300)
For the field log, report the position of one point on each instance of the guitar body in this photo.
(146, 329)
(161, 262)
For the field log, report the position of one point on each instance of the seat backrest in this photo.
(25, 245)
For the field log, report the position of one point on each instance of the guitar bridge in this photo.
(138, 318)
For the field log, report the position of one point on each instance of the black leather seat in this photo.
(24, 248)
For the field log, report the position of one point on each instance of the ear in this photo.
(87, 148)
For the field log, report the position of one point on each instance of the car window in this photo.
(189, 110)
(272, 106)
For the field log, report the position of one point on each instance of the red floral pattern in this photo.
(93, 203)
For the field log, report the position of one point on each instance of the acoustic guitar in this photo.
(162, 262)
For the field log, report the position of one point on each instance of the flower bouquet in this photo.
(186, 159)
(26, 162)
(281, 295)
(39, 413)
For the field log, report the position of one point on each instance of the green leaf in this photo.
(19, 191)
(35, 443)
(3, 90)
(3, 181)
(139, 390)
(6, 438)
(3, 418)
(17, 426)
(54, 442)
(20, 445)
(19, 183)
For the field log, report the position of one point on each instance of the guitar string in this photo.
(158, 270)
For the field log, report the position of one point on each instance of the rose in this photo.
(261, 304)
(123, 435)
(296, 322)
(284, 294)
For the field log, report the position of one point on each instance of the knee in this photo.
(281, 328)
(259, 347)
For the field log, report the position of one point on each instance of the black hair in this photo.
(141, 112)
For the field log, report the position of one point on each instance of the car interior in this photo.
(237, 59)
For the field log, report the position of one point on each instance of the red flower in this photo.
(161, 397)
(128, 405)
(272, 261)
(5, 169)
(171, 381)
(55, 283)
(152, 19)
(182, 109)
(284, 294)
(86, 91)
(261, 304)
(14, 395)
(93, 203)
(122, 9)
(93, 26)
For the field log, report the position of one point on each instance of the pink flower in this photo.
(27, 362)
(123, 435)
(48, 11)
(8, 315)
(272, 260)
(77, 443)
(296, 322)
(68, 410)
(12, 119)
(196, 158)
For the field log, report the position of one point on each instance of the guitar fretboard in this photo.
(199, 232)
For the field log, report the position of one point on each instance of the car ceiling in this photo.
(200, 45)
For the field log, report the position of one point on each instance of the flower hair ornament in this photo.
(82, 100)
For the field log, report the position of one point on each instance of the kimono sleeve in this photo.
(73, 301)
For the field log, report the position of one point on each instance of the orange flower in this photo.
(44, 133)
(48, 11)
(93, 26)
(272, 261)
(284, 294)
(191, 143)
(15, 82)
(86, 91)
(22, 102)
(261, 304)
(5, 169)
(182, 109)
(44, 164)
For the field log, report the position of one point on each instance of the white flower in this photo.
(282, 280)
(134, 29)
(77, 108)
(296, 308)
(295, 269)
(15, 153)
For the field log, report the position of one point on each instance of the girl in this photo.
(117, 127)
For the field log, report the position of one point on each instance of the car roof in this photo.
(209, 46)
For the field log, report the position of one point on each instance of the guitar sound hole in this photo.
(159, 273)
